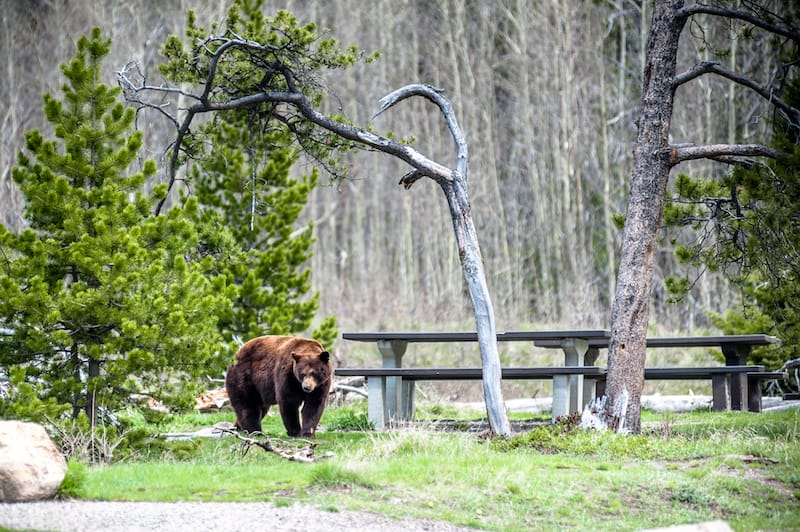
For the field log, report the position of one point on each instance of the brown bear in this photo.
(280, 370)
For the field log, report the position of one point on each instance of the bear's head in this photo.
(312, 369)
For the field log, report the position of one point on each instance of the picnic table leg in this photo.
(399, 399)
(736, 355)
(376, 402)
(560, 396)
(574, 355)
(590, 384)
(754, 394)
(720, 384)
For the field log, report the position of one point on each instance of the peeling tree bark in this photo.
(653, 159)
(651, 165)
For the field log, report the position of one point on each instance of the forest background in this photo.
(547, 95)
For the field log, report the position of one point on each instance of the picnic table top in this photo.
(689, 341)
(510, 336)
(552, 338)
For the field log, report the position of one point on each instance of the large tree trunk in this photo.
(629, 314)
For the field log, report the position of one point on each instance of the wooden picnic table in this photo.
(736, 348)
(570, 390)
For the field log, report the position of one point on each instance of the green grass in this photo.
(684, 468)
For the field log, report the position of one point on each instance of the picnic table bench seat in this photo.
(381, 397)
(722, 383)
(444, 374)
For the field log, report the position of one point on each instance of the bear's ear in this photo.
(296, 357)
(325, 356)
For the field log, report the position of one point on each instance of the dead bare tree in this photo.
(654, 157)
(275, 81)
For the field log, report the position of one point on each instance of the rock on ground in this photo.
(31, 466)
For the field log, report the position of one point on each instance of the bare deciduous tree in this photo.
(276, 81)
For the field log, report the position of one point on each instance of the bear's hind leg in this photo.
(248, 418)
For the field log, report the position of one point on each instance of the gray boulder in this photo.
(31, 466)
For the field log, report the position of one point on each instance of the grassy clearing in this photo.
(741, 467)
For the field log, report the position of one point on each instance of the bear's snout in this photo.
(309, 384)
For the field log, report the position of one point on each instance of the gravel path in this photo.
(93, 516)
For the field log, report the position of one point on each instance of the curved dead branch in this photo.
(745, 16)
(137, 91)
(436, 96)
(713, 67)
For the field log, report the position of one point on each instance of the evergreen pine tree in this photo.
(749, 224)
(102, 300)
(245, 177)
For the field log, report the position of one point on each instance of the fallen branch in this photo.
(353, 389)
(793, 364)
(305, 454)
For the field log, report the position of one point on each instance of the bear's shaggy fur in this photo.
(280, 370)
